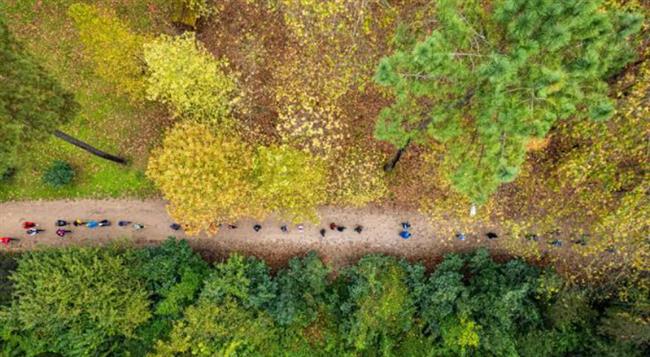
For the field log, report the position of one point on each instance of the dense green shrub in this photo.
(59, 174)
(7, 173)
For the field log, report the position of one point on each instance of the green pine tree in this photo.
(489, 79)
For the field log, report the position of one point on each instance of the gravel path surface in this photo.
(380, 234)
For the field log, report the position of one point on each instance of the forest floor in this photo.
(380, 233)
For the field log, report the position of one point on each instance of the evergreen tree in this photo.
(32, 104)
(489, 79)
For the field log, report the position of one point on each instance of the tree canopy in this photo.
(74, 301)
(487, 80)
(204, 175)
(115, 50)
(166, 301)
(185, 76)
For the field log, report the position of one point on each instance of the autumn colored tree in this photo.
(32, 103)
(185, 76)
(289, 181)
(112, 47)
(490, 79)
(204, 175)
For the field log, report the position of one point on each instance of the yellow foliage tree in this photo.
(289, 181)
(185, 76)
(204, 175)
(115, 51)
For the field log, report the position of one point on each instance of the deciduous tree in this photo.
(114, 49)
(380, 307)
(76, 301)
(204, 175)
(185, 76)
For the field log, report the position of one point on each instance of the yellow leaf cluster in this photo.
(204, 175)
(115, 51)
(290, 182)
(185, 76)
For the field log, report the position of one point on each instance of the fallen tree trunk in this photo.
(78, 143)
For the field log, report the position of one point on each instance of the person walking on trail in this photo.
(491, 235)
(28, 225)
(300, 227)
(92, 224)
(175, 226)
(61, 223)
(104, 223)
(257, 227)
(332, 226)
(123, 223)
(138, 226)
(62, 232)
(322, 232)
(34, 231)
(358, 228)
(6, 240)
(405, 234)
(340, 228)
(284, 228)
(78, 222)
(460, 236)
(406, 226)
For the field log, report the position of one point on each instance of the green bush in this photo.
(59, 174)
(7, 174)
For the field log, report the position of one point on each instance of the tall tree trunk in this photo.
(390, 165)
(76, 142)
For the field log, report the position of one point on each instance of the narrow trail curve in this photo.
(380, 234)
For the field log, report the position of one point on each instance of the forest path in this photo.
(380, 234)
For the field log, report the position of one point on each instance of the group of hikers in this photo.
(32, 229)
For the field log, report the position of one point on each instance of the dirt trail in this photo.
(380, 234)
